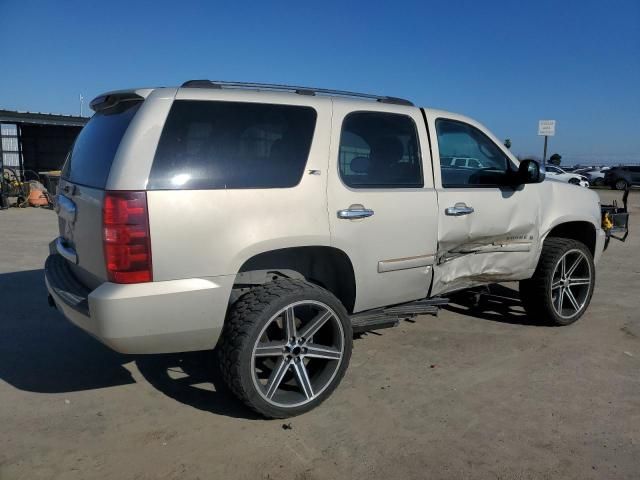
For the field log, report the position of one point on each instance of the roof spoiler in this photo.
(110, 100)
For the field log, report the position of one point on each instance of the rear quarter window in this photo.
(90, 159)
(232, 145)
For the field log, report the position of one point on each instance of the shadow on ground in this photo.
(193, 379)
(496, 303)
(40, 351)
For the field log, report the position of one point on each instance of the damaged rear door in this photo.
(488, 229)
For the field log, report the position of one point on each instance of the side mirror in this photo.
(530, 171)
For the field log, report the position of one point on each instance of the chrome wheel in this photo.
(571, 284)
(297, 354)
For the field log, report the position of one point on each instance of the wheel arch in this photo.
(328, 267)
(580, 230)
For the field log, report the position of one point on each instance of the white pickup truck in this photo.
(273, 221)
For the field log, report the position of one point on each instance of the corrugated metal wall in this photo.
(10, 145)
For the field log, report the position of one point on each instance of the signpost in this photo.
(546, 128)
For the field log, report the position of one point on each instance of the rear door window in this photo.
(229, 145)
(93, 152)
(380, 150)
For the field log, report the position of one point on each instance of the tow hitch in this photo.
(615, 220)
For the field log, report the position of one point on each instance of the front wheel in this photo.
(285, 347)
(561, 287)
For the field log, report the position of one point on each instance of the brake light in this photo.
(127, 243)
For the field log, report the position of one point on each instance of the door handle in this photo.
(355, 211)
(458, 210)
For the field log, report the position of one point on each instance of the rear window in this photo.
(225, 145)
(96, 146)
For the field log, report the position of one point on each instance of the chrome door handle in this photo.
(353, 213)
(458, 210)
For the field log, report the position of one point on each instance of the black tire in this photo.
(536, 293)
(246, 321)
(574, 181)
(598, 182)
(620, 184)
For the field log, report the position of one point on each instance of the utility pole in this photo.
(81, 103)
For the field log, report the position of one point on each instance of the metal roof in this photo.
(37, 118)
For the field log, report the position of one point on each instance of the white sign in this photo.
(547, 128)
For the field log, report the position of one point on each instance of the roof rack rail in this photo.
(294, 89)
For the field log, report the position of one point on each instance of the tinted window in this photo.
(468, 157)
(460, 162)
(232, 145)
(379, 150)
(96, 146)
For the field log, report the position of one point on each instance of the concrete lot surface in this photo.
(469, 394)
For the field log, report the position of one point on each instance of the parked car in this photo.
(556, 173)
(622, 177)
(272, 222)
(595, 175)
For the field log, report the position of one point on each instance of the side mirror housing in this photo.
(530, 171)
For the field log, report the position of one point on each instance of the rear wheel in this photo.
(621, 184)
(285, 347)
(561, 287)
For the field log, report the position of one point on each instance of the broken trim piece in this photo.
(405, 263)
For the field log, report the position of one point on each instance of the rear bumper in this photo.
(155, 317)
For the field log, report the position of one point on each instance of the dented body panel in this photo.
(502, 238)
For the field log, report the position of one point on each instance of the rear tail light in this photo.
(127, 244)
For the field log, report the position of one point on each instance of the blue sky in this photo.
(507, 64)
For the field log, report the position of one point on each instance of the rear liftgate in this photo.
(615, 220)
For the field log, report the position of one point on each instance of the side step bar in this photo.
(387, 317)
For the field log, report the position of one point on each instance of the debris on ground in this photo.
(287, 426)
